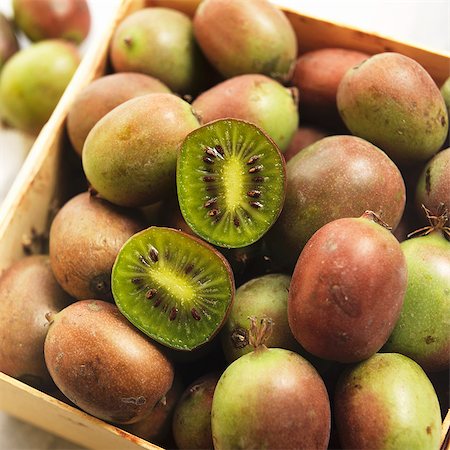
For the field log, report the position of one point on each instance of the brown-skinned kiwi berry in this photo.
(231, 182)
(105, 365)
(85, 237)
(174, 287)
(28, 291)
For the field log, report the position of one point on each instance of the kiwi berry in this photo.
(172, 286)
(231, 182)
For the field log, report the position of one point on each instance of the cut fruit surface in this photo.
(174, 287)
(231, 182)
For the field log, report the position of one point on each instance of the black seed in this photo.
(154, 254)
(258, 179)
(143, 260)
(255, 169)
(157, 302)
(219, 149)
(256, 204)
(211, 152)
(236, 221)
(151, 293)
(173, 313)
(214, 212)
(208, 160)
(254, 193)
(188, 268)
(208, 179)
(210, 202)
(253, 159)
(137, 280)
(195, 314)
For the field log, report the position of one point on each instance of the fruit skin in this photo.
(387, 402)
(338, 176)
(253, 98)
(317, 75)
(347, 290)
(433, 187)
(445, 92)
(160, 42)
(392, 101)
(102, 96)
(246, 36)
(47, 19)
(130, 155)
(191, 424)
(303, 137)
(422, 332)
(117, 383)
(265, 296)
(270, 398)
(8, 40)
(32, 82)
(28, 290)
(85, 237)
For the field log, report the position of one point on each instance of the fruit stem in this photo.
(50, 316)
(260, 331)
(436, 222)
(370, 215)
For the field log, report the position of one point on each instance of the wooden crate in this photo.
(40, 186)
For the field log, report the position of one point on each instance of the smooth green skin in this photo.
(8, 40)
(391, 101)
(423, 329)
(130, 155)
(255, 98)
(433, 187)
(32, 82)
(250, 36)
(265, 296)
(387, 403)
(445, 92)
(159, 42)
(191, 424)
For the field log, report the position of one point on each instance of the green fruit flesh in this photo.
(173, 287)
(231, 182)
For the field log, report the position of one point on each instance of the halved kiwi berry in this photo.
(231, 182)
(174, 287)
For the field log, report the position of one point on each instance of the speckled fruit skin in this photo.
(254, 98)
(32, 82)
(160, 42)
(246, 36)
(347, 290)
(102, 96)
(130, 155)
(392, 101)
(338, 176)
(28, 290)
(270, 399)
(49, 19)
(103, 364)
(423, 329)
(8, 40)
(433, 187)
(387, 403)
(191, 424)
(264, 296)
(85, 238)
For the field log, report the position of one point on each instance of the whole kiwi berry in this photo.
(105, 365)
(85, 238)
(28, 291)
(8, 40)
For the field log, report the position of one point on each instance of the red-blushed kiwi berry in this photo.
(347, 289)
(8, 40)
(105, 365)
(102, 96)
(270, 398)
(28, 291)
(50, 19)
(246, 36)
(303, 137)
(387, 402)
(85, 238)
(191, 424)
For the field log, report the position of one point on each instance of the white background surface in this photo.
(423, 22)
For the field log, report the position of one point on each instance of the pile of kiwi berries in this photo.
(199, 291)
